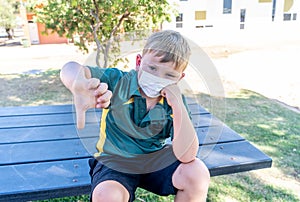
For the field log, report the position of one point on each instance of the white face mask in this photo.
(152, 85)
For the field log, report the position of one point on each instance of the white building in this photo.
(226, 21)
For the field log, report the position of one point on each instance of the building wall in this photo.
(218, 27)
(36, 33)
(51, 37)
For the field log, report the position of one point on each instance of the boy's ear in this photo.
(138, 62)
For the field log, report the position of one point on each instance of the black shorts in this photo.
(158, 182)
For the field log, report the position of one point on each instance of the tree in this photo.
(7, 16)
(102, 21)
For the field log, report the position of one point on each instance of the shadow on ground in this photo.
(12, 42)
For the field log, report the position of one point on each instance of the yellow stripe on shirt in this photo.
(102, 138)
(131, 100)
(161, 101)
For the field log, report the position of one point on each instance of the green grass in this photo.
(270, 126)
(33, 89)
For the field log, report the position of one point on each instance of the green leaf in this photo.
(80, 16)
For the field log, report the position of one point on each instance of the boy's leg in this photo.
(110, 185)
(189, 181)
(110, 190)
(192, 181)
(160, 182)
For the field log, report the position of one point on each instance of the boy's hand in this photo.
(89, 93)
(173, 95)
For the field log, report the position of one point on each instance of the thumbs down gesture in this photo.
(87, 92)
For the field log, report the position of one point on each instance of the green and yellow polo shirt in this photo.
(128, 130)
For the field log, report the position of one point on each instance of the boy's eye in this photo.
(152, 68)
(170, 75)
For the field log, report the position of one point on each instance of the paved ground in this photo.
(16, 59)
(271, 70)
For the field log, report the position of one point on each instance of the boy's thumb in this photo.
(80, 116)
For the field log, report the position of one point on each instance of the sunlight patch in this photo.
(264, 126)
(14, 98)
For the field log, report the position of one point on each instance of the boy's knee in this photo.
(110, 191)
(197, 174)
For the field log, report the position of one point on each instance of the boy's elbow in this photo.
(186, 153)
(185, 158)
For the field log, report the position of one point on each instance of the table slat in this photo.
(46, 133)
(233, 157)
(47, 151)
(199, 120)
(54, 179)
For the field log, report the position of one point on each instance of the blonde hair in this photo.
(170, 46)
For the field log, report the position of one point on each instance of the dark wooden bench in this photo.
(43, 155)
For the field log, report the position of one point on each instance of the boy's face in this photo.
(151, 64)
(153, 75)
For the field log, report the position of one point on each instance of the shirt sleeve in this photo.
(110, 76)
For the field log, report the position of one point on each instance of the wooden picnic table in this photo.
(43, 155)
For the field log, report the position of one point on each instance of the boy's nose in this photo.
(160, 74)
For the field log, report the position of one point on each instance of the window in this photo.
(243, 15)
(179, 20)
(242, 18)
(200, 15)
(179, 17)
(287, 16)
(227, 4)
(178, 25)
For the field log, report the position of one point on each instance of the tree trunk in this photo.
(8, 31)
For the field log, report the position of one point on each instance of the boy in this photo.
(141, 108)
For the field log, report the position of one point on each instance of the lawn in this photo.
(270, 126)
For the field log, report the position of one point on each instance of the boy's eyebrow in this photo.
(151, 64)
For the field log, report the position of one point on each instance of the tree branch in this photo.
(95, 29)
(125, 15)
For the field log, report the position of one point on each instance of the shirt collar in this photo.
(134, 86)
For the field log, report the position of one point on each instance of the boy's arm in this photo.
(87, 92)
(185, 141)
